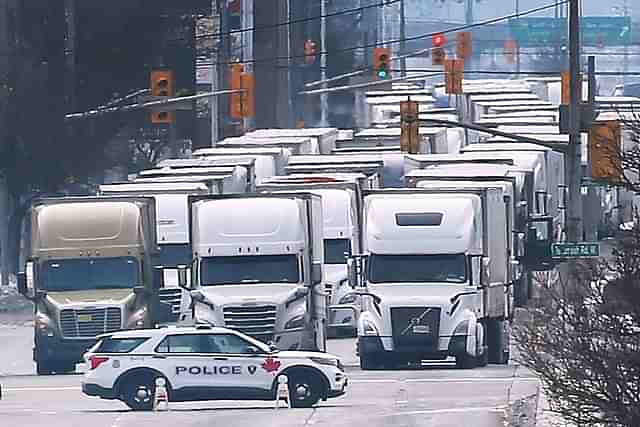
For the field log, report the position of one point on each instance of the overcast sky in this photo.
(454, 9)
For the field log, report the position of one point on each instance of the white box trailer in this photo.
(432, 139)
(431, 293)
(518, 108)
(217, 184)
(524, 115)
(239, 171)
(296, 146)
(485, 107)
(474, 100)
(269, 161)
(249, 163)
(325, 138)
(373, 171)
(263, 278)
(392, 164)
(493, 120)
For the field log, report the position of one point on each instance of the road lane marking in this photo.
(442, 380)
(42, 389)
(449, 410)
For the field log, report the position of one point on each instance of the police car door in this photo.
(245, 363)
(188, 363)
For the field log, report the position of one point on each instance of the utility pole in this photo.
(592, 202)
(518, 45)
(213, 102)
(574, 152)
(403, 39)
(625, 59)
(246, 21)
(324, 100)
(468, 14)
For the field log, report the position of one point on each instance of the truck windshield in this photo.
(173, 255)
(233, 270)
(89, 273)
(417, 268)
(336, 251)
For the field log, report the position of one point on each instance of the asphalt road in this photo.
(438, 395)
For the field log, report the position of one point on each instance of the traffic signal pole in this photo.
(324, 101)
(573, 158)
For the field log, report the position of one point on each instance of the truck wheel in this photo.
(138, 389)
(44, 367)
(64, 367)
(305, 388)
(464, 361)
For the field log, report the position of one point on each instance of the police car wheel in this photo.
(305, 389)
(138, 391)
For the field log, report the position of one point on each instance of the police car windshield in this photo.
(417, 268)
(229, 270)
(89, 274)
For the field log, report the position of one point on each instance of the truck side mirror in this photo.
(485, 274)
(316, 273)
(158, 277)
(182, 277)
(22, 283)
(352, 274)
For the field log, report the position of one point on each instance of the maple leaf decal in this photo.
(271, 365)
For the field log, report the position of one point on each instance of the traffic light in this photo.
(310, 51)
(604, 151)
(235, 99)
(381, 60)
(409, 127)
(162, 84)
(453, 75)
(438, 54)
(464, 45)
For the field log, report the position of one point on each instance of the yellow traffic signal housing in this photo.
(605, 155)
(410, 127)
(235, 99)
(453, 75)
(464, 45)
(248, 96)
(162, 84)
(438, 56)
(381, 61)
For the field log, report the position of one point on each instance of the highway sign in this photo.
(548, 31)
(575, 250)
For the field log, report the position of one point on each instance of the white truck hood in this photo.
(250, 293)
(416, 294)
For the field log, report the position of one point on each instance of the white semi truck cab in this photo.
(258, 266)
(90, 270)
(434, 277)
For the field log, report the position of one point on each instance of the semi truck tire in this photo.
(368, 362)
(44, 367)
(464, 361)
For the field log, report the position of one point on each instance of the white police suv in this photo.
(205, 363)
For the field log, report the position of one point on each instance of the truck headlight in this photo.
(295, 322)
(325, 361)
(137, 319)
(43, 325)
(349, 298)
(370, 328)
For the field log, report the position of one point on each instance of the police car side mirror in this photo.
(253, 350)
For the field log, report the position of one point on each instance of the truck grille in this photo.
(173, 297)
(415, 326)
(257, 321)
(88, 323)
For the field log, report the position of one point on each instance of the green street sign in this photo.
(596, 31)
(606, 30)
(575, 250)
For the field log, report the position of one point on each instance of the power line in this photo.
(296, 21)
(396, 41)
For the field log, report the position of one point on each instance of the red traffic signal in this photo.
(310, 51)
(438, 40)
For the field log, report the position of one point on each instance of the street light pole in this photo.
(324, 102)
(403, 37)
(574, 154)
